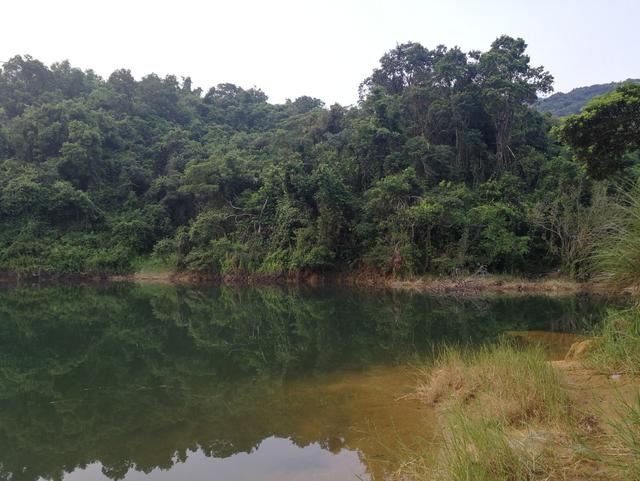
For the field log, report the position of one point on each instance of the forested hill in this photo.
(441, 167)
(562, 104)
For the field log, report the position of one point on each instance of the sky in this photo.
(323, 49)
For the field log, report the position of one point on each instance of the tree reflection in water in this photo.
(138, 378)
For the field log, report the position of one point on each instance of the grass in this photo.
(500, 406)
(626, 436)
(505, 415)
(481, 448)
(617, 258)
(150, 264)
(617, 343)
(491, 378)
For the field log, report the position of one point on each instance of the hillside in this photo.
(99, 176)
(562, 104)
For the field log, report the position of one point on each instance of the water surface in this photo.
(151, 382)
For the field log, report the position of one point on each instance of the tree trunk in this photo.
(503, 133)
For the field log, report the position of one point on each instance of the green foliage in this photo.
(606, 129)
(572, 102)
(221, 256)
(435, 170)
(496, 240)
(616, 260)
(617, 342)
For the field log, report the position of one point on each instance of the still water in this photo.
(156, 382)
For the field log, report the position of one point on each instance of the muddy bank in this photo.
(497, 284)
(35, 277)
(469, 285)
(460, 285)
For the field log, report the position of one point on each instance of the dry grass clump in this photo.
(625, 443)
(516, 386)
(481, 448)
(505, 415)
(617, 343)
(502, 412)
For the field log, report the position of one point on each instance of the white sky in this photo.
(324, 48)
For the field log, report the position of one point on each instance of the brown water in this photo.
(152, 383)
(343, 426)
(557, 344)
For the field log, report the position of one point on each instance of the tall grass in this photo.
(515, 385)
(504, 415)
(480, 448)
(617, 257)
(498, 406)
(626, 437)
(617, 343)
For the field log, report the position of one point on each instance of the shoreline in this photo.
(461, 285)
(470, 285)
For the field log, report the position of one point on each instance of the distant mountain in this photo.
(562, 104)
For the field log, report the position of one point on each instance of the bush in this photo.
(115, 260)
(224, 257)
(275, 263)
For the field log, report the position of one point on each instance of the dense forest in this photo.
(443, 166)
(562, 104)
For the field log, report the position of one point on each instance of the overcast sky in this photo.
(322, 48)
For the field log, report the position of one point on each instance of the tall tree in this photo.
(406, 65)
(508, 84)
(607, 128)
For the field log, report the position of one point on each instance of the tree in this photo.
(103, 171)
(22, 81)
(607, 128)
(407, 64)
(508, 84)
(122, 83)
(81, 155)
(455, 74)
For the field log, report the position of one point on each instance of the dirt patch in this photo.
(595, 394)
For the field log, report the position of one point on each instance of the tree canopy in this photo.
(442, 166)
(607, 129)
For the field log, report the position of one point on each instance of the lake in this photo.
(124, 381)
